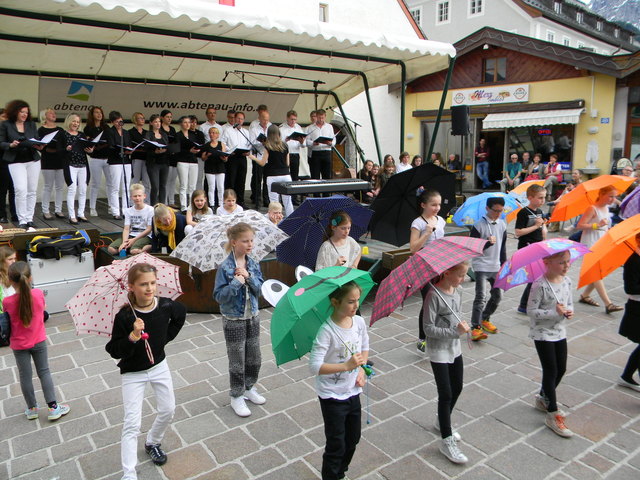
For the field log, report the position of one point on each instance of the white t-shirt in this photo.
(403, 167)
(421, 225)
(198, 217)
(330, 346)
(222, 211)
(329, 253)
(138, 220)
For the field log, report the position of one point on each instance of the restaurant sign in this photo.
(491, 95)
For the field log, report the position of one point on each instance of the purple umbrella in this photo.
(630, 206)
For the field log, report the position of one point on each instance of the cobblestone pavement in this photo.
(503, 435)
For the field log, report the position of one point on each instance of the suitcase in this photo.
(69, 267)
(56, 294)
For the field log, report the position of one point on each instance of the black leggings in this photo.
(633, 364)
(553, 358)
(449, 383)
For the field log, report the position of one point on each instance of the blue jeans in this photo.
(483, 309)
(482, 171)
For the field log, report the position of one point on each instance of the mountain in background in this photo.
(626, 13)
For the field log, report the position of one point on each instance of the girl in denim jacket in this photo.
(238, 283)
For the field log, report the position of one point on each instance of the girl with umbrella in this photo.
(629, 326)
(156, 321)
(594, 224)
(339, 249)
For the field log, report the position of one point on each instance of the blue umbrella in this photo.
(475, 207)
(306, 227)
(630, 206)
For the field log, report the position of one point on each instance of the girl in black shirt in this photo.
(275, 160)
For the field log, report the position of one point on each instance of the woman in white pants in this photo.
(214, 166)
(187, 162)
(52, 164)
(275, 160)
(98, 166)
(139, 157)
(119, 166)
(23, 158)
(77, 155)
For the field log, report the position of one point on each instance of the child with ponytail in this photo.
(29, 340)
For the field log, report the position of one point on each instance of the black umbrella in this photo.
(396, 206)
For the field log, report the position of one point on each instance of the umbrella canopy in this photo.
(580, 198)
(306, 306)
(610, 251)
(306, 227)
(433, 259)
(396, 206)
(95, 305)
(204, 247)
(521, 190)
(526, 265)
(474, 208)
(630, 206)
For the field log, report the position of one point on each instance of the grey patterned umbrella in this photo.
(204, 247)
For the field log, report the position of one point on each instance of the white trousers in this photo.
(25, 185)
(97, 166)
(171, 186)
(188, 175)
(215, 180)
(140, 175)
(133, 385)
(116, 186)
(200, 181)
(79, 186)
(52, 179)
(274, 197)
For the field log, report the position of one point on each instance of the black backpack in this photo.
(47, 247)
(5, 329)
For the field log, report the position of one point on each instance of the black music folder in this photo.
(324, 139)
(238, 151)
(261, 138)
(297, 136)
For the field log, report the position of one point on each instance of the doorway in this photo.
(495, 142)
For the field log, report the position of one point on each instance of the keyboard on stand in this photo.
(320, 186)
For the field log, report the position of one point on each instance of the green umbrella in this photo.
(306, 306)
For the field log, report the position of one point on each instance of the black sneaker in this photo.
(157, 455)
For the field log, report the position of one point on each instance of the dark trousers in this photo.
(524, 299)
(236, 175)
(158, 175)
(320, 164)
(294, 166)
(423, 292)
(448, 378)
(633, 364)
(483, 308)
(553, 358)
(342, 427)
(259, 192)
(6, 187)
(243, 349)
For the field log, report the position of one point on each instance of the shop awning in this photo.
(532, 118)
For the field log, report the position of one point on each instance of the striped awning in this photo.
(532, 118)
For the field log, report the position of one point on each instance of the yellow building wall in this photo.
(597, 90)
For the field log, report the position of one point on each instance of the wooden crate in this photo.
(394, 258)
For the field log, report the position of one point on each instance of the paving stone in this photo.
(620, 401)
(520, 416)
(557, 447)
(102, 462)
(106, 399)
(402, 379)
(289, 396)
(71, 448)
(410, 467)
(35, 441)
(397, 436)
(610, 452)
(231, 445)
(295, 447)
(521, 462)
(488, 434)
(229, 472)
(273, 429)
(199, 428)
(308, 415)
(27, 464)
(597, 462)
(263, 461)
(293, 471)
(61, 471)
(196, 460)
(481, 473)
(476, 400)
(194, 375)
(623, 473)
(71, 427)
(595, 422)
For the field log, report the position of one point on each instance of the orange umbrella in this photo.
(611, 251)
(580, 198)
(519, 191)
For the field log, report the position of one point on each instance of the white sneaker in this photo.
(541, 403)
(254, 397)
(436, 426)
(449, 448)
(623, 383)
(240, 407)
(555, 421)
(93, 212)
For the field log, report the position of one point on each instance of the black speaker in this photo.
(460, 120)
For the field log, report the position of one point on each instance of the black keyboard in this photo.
(320, 186)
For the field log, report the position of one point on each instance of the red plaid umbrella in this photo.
(433, 259)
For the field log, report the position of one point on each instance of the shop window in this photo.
(442, 12)
(545, 140)
(494, 70)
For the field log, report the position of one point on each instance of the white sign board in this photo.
(491, 95)
(75, 96)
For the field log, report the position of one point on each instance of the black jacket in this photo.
(9, 133)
